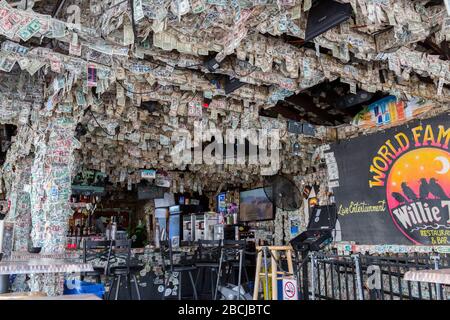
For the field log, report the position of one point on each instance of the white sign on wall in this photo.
(148, 174)
(290, 290)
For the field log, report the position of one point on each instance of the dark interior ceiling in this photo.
(318, 105)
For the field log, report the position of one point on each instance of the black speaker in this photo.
(211, 64)
(323, 218)
(351, 100)
(324, 15)
(232, 84)
(308, 129)
(301, 128)
(295, 127)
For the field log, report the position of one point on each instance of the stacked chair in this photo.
(207, 261)
(185, 266)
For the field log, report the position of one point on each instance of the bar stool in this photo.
(231, 257)
(207, 258)
(95, 250)
(122, 251)
(236, 259)
(183, 267)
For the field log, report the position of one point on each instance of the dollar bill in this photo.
(128, 34)
(58, 28)
(14, 47)
(34, 66)
(198, 6)
(102, 47)
(155, 12)
(75, 49)
(29, 30)
(120, 51)
(75, 46)
(440, 86)
(34, 26)
(45, 23)
(218, 2)
(138, 10)
(55, 66)
(4, 12)
(7, 63)
(307, 5)
(286, 2)
(11, 23)
(23, 63)
(5, 9)
(237, 10)
(294, 29)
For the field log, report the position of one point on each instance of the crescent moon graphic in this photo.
(445, 165)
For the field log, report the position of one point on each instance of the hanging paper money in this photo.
(10, 23)
(138, 11)
(58, 29)
(7, 63)
(30, 30)
(198, 6)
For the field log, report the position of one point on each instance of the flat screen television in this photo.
(255, 206)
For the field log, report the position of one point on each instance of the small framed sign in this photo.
(148, 174)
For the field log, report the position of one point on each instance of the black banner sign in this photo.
(394, 186)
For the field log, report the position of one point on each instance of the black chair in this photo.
(234, 249)
(232, 257)
(185, 266)
(95, 250)
(207, 258)
(121, 253)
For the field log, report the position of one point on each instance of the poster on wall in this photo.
(394, 185)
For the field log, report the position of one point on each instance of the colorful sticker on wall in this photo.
(391, 111)
(91, 75)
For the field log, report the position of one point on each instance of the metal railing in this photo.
(372, 277)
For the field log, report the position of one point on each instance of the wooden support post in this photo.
(273, 265)
(257, 275)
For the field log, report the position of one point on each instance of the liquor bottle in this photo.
(108, 231)
(113, 230)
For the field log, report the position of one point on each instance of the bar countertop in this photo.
(42, 265)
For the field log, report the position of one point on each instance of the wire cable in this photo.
(105, 131)
(175, 66)
(133, 22)
(134, 92)
(246, 75)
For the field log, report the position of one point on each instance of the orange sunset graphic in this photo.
(419, 175)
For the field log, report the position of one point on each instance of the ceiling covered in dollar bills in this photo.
(131, 72)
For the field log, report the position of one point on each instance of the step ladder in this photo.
(274, 253)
